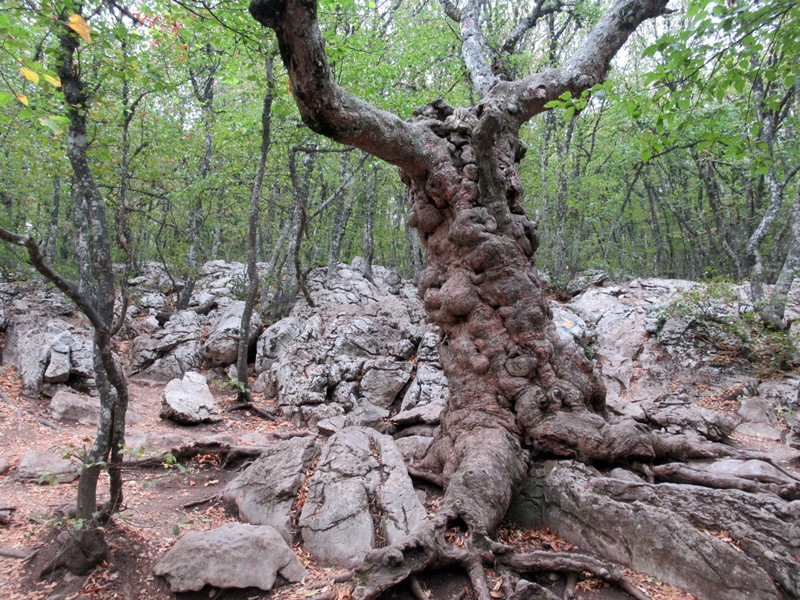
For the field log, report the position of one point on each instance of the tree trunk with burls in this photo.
(517, 390)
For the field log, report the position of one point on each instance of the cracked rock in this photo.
(265, 492)
(359, 498)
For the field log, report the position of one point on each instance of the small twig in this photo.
(202, 501)
(46, 423)
(252, 408)
(10, 553)
(4, 397)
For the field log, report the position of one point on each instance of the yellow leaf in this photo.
(29, 75)
(79, 26)
(22, 98)
(55, 81)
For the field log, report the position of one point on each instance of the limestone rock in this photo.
(169, 352)
(145, 441)
(234, 555)
(43, 467)
(189, 401)
(358, 471)
(383, 379)
(74, 407)
(58, 366)
(265, 492)
(275, 339)
(222, 344)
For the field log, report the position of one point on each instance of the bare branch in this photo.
(528, 23)
(474, 49)
(69, 289)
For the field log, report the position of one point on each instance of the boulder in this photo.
(44, 467)
(761, 430)
(169, 352)
(359, 497)
(58, 366)
(234, 555)
(143, 441)
(265, 492)
(222, 344)
(383, 379)
(189, 401)
(74, 407)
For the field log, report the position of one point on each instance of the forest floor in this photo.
(158, 509)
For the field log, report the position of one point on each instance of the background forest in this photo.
(684, 164)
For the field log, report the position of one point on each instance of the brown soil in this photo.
(155, 516)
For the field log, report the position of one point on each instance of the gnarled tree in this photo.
(516, 389)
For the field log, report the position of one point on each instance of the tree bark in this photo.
(517, 390)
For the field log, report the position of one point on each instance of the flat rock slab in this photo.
(265, 492)
(189, 401)
(235, 555)
(43, 467)
(359, 497)
(74, 407)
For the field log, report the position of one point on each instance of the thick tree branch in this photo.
(474, 49)
(588, 66)
(327, 108)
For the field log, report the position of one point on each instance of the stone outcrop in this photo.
(44, 467)
(222, 345)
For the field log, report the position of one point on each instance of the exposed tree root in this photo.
(229, 454)
(260, 412)
(563, 562)
(681, 473)
(21, 554)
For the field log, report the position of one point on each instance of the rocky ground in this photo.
(349, 392)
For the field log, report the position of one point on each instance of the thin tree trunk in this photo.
(204, 92)
(252, 236)
(52, 227)
(370, 200)
(772, 312)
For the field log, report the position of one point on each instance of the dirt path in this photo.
(155, 512)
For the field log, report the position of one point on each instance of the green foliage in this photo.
(238, 386)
